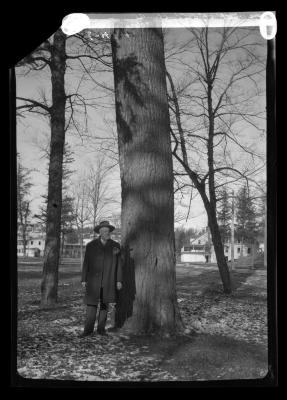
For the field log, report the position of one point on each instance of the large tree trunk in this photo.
(126, 296)
(147, 224)
(24, 238)
(217, 242)
(81, 245)
(265, 236)
(49, 286)
(23, 230)
(219, 252)
(62, 244)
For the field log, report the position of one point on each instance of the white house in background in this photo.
(201, 250)
(34, 247)
(35, 242)
(261, 247)
(198, 250)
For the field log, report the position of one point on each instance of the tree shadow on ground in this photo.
(215, 357)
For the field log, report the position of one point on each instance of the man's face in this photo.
(105, 233)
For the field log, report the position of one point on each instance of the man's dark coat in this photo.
(101, 268)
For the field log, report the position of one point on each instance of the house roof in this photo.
(203, 237)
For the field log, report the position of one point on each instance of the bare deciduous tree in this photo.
(100, 198)
(221, 81)
(61, 114)
(82, 210)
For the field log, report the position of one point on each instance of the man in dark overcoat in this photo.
(101, 277)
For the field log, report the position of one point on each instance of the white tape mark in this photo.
(74, 23)
(268, 25)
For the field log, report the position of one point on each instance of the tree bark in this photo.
(265, 236)
(212, 218)
(24, 243)
(241, 247)
(217, 243)
(62, 244)
(49, 285)
(232, 234)
(81, 244)
(218, 248)
(219, 252)
(147, 224)
(253, 254)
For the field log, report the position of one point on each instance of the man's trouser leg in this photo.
(103, 313)
(91, 315)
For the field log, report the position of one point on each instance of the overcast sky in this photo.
(33, 131)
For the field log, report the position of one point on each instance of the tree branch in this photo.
(34, 103)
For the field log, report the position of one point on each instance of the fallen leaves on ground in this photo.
(49, 346)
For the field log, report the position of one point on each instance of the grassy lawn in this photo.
(227, 336)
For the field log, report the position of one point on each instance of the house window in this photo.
(31, 241)
(238, 249)
(39, 243)
(198, 247)
(249, 250)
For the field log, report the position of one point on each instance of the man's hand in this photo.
(119, 285)
(84, 284)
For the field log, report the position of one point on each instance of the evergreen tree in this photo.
(67, 212)
(261, 215)
(246, 229)
(180, 239)
(23, 201)
(191, 233)
(224, 214)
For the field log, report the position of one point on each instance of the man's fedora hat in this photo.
(104, 224)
